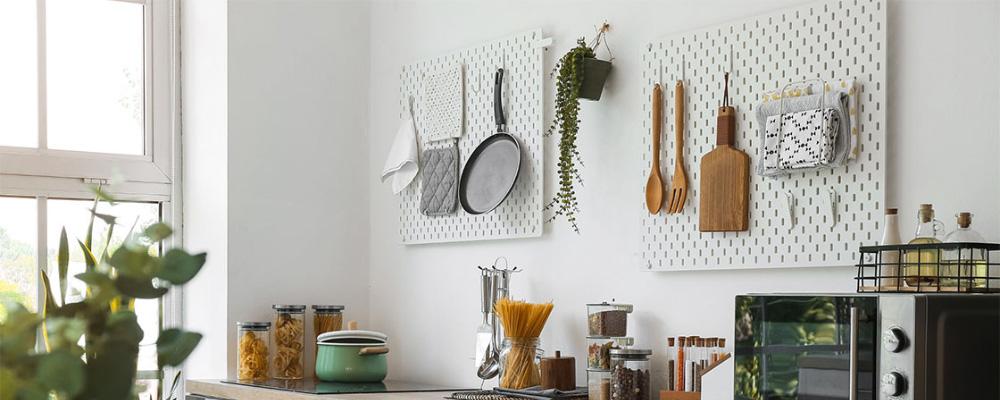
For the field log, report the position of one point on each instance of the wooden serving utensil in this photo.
(725, 178)
(654, 186)
(679, 184)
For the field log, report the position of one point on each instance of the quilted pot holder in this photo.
(439, 172)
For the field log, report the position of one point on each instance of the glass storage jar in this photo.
(252, 350)
(608, 320)
(630, 374)
(598, 384)
(326, 318)
(288, 361)
(599, 350)
(520, 360)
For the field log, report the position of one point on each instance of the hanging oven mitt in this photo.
(401, 165)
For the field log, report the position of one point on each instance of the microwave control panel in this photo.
(896, 350)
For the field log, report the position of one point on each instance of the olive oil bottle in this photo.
(968, 264)
(921, 268)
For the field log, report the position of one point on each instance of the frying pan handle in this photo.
(498, 102)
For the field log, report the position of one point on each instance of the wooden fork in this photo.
(679, 184)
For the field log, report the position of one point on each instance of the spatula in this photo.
(485, 332)
(725, 178)
(679, 184)
(654, 186)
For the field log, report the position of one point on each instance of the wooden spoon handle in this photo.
(657, 123)
(679, 120)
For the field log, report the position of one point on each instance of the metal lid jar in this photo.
(630, 374)
(607, 320)
(288, 361)
(252, 350)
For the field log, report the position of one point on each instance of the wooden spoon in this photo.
(654, 186)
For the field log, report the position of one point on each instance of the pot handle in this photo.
(369, 351)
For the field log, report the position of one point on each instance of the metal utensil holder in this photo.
(955, 270)
(499, 278)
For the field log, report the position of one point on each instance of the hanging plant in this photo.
(578, 74)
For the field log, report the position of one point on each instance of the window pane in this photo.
(95, 75)
(134, 217)
(18, 265)
(18, 73)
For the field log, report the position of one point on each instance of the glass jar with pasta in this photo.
(288, 360)
(327, 318)
(252, 350)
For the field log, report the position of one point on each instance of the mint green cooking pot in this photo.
(351, 356)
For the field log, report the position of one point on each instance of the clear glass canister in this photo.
(598, 384)
(599, 350)
(608, 320)
(288, 361)
(630, 377)
(252, 350)
(520, 360)
(327, 318)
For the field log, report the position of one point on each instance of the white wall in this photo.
(204, 135)
(943, 102)
(275, 121)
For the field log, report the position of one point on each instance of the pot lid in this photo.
(352, 337)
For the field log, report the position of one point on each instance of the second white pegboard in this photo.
(834, 40)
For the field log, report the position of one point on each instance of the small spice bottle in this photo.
(630, 375)
(252, 350)
(288, 361)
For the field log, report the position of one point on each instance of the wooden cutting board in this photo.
(725, 181)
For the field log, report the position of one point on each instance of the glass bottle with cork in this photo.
(921, 269)
(965, 267)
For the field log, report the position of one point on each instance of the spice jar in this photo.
(630, 374)
(607, 320)
(252, 350)
(519, 363)
(289, 341)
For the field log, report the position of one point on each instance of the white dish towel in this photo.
(401, 166)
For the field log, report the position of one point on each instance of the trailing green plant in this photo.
(104, 366)
(569, 76)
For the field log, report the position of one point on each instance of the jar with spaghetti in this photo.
(252, 350)
(520, 363)
(288, 361)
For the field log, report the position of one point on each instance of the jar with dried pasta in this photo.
(252, 350)
(288, 361)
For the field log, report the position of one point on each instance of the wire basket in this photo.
(933, 267)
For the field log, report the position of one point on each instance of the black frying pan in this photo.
(492, 169)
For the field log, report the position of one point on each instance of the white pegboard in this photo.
(830, 40)
(520, 215)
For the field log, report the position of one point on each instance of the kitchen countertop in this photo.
(217, 389)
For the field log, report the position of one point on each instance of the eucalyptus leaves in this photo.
(571, 76)
(104, 367)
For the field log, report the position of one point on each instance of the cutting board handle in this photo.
(726, 126)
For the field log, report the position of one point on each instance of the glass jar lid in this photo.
(326, 308)
(286, 308)
(254, 326)
(631, 353)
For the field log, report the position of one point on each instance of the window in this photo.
(88, 95)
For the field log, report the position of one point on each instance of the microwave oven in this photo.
(867, 347)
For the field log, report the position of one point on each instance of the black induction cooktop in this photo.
(315, 386)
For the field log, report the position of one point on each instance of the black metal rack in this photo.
(933, 267)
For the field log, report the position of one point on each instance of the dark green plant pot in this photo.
(595, 73)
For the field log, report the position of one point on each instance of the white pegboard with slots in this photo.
(835, 41)
(519, 216)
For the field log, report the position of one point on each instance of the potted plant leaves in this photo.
(579, 74)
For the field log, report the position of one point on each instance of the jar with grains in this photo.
(288, 361)
(252, 350)
(630, 374)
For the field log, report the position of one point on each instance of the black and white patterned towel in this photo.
(804, 139)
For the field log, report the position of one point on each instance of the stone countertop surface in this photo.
(216, 389)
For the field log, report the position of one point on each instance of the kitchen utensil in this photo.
(484, 334)
(558, 372)
(490, 367)
(654, 186)
(725, 178)
(439, 169)
(352, 356)
(492, 169)
(679, 185)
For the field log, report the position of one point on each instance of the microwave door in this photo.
(801, 346)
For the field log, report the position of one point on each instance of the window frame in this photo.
(42, 173)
